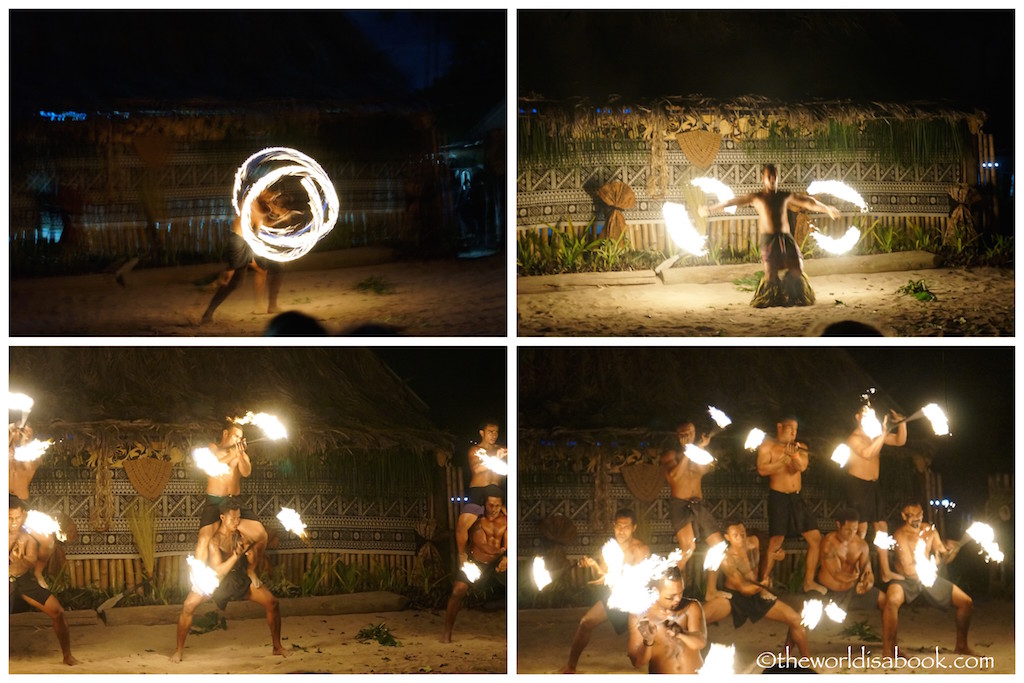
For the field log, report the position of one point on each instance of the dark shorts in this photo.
(616, 617)
(752, 607)
(788, 514)
(488, 572)
(693, 510)
(27, 586)
(865, 497)
(234, 586)
(780, 251)
(849, 599)
(940, 594)
(210, 513)
(239, 254)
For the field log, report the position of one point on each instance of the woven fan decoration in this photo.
(700, 146)
(149, 476)
(558, 529)
(619, 196)
(643, 480)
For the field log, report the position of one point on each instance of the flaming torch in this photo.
(870, 424)
(33, 450)
(698, 454)
(833, 245)
(985, 537)
(722, 192)
(681, 230)
(632, 592)
(614, 561)
(721, 419)
(721, 661)
(40, 523)
(471, 571)
(715, 555)
(21, 403)
(291, 521)
(271, 426)
(884, 541)
(754, 439)
(811, 614)
(841, 455)
(204, 579)
(835, 612)
(494, 464)
(208, 462)
(840, 190)
(927, 568)
(541, 575)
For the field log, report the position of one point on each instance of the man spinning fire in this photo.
(671, 634)
(20, 475)
(778, 248)
(482, 477)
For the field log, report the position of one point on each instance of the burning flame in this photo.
(496, 465)
(870, 424)
(208, 462)
(841, 455)
(541, 575)
(884, 540)
(720, 418)
(204, 579)
(811, 614)
(938, 419)
(632, 592)
(837, 246)
(927, 569)
(698, 454)
(471, 571)
(715, 555)
(985, 537)
(838, 189)
(271, 426)
(754, 439)
(614, 560)
(19, 402)
(681, 230)
(720, 661)
(835, 612)
(37, 522)
(291, 521)
(31, 451)
(722, 192)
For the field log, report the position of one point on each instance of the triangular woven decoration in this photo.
(643, 480)
(700, 146)
(558, 529)
(148, 475)
(617, 195)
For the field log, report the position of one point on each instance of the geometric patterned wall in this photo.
(547, 193)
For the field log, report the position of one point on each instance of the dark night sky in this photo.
(962, 57)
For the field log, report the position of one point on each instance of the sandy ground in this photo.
(975, 302)
(544, 637)
(457, 297)
(319, 644)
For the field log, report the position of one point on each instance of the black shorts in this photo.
(234, 586)
(850, 599)
(752, 607)
(865, 497)
(239, 254)
(693, 510)
(788, 514)
(210, 513)
(27, 586)
(616, 617)
(939, 594)
(488, 572)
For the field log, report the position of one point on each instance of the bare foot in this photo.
(446, 638)
(281, 652)
(271, 310)
(766, 582)
(205, 320)
(891, 576)
(176, 657)
(70, 660)
(566, 670)
(815, 586)
(965, 650)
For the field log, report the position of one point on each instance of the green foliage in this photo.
(428, 587)
(749, 283)
(861, 630)
(917, 289)
(211, 621)
(379, 632)
(376, 284)
(278, 584)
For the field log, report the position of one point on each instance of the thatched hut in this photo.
(913, 164)
(593, 423)
(360, 463)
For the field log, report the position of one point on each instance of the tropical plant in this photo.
(917, 289)
(379, 632)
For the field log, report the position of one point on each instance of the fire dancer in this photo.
(482, 477)
(269, 208)
(23, 551)
(860, 484)
(748, 599)
(778, 248)
(687, 510)
(633, 551)
(671, 634)
(782, 460)
(230, 551)
(920, 543)
(20, 475)
(231, 452)
(846, 564)
(488, 540)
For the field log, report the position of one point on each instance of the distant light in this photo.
(627, 111)
(62, 116)
(533, 111)
(522, 111)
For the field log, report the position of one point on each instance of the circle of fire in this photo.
(296, 235)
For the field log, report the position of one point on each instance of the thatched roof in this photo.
(339, 400)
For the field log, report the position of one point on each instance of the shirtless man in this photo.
(269, 208)
(487, 549)
(846, 564)
(481, 478)
(782, 460)
(23, 550)
(686, 506)
(860, 483)
(20, 475)
(942, 593)
(633, 552)
(231, 452)
(749, 599)
(671, 634)
(778, 248)
(229, 552)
